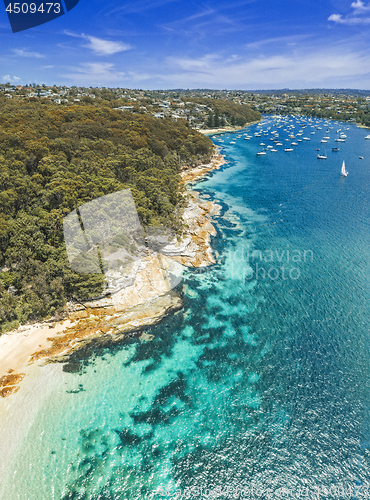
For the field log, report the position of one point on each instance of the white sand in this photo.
(17, 346)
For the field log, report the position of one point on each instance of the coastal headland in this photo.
(145, 302)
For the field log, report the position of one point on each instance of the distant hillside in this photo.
(224, 111)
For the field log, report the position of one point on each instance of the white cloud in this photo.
(289, 41)
(8, 78)
(95, 74)
(360, 6)
(351, 20)
(105, 47)
(100, 46)
(106, 74)
(201, 65)
(337, 18)
(27, 53)
(332, 67)
(356, 17)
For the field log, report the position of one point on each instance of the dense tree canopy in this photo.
(235, 114)
(55, 159)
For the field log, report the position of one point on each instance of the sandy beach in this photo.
(224, 130)
(148, 300)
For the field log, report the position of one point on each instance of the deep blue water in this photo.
(259, 387)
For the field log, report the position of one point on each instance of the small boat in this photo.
(361, 157)
(321, 157)
(288, 149)
(335, 149)
(344, 172)
(306, 139)
(367, 137)
(260, 153)
(323, 140)
(273, 150)
(340, 140)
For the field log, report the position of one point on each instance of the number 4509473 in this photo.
(32, 8)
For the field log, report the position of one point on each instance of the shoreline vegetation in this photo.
(126, 313)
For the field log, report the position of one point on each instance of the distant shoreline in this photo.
(362, 126)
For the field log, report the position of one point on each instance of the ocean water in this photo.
(259, 387)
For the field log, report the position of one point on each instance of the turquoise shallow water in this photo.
(259, 387)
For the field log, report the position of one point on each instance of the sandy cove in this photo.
(126, 313)
(225, 130)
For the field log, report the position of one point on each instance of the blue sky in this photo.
(163, 44)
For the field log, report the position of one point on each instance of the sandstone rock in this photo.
(98, 326)
(8, 383)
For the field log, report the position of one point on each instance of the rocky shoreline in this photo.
(148, 298)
